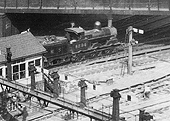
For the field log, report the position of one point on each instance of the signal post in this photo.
(131, 42)
(130, 30)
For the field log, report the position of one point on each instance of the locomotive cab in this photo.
(74, 34)
(76, 39)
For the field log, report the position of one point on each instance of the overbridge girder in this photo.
(132, 7)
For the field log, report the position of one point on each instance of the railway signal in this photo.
(138, 31)
(131, 42)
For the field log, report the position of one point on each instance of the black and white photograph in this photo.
(84, 60)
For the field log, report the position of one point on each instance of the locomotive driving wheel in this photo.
(83, 58)
(67, 59)
(107, 52)
(93, 54)
(99, 54)
(74, 58)
(114, 50)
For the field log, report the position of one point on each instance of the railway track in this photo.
(137, 89)
(161, 56)
(158, 85)
(138, 49)
(103, 66)
(160, 88)
(154, 32)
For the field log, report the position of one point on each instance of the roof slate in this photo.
(22, 45)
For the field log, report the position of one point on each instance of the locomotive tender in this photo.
(79, 44)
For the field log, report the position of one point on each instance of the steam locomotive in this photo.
(79, 45)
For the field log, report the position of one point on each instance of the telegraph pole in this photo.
(130, 30)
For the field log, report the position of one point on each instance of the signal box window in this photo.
(1, 71)
(6, 72)
(15, 76)
(37, 62)
(19, 71)
(15, 72)
(22, 67)
(31, 62)
(22, 74)
(22, 70)
(15, 68)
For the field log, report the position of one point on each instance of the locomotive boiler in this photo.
(79, 44)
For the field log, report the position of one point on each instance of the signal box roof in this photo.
(75, 30)
(21, 46)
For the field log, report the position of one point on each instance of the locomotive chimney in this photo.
(72, 24)
(97, 25)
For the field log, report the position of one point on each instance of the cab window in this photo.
(73, 36)
(1, 70)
